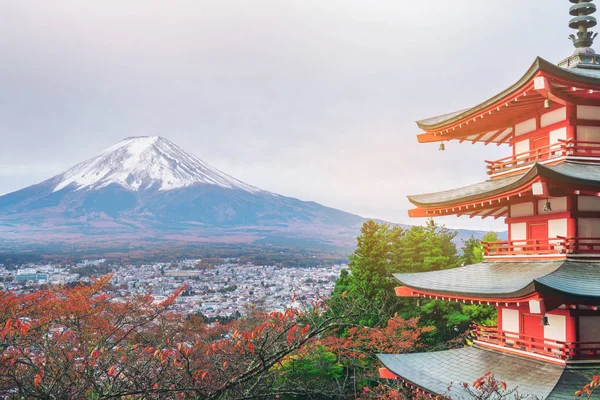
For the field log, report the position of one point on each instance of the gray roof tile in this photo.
(487, 279)
(436, 371)
(577, 173)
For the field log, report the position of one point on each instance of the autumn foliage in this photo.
(73, 343)
(81, 343)
(588, 390)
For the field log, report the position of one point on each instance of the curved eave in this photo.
(579, 174)
(489, 281)
(539, 65)
(577, 281)
(523, 295)
(443, 372)
(570, 281)
(512, 183)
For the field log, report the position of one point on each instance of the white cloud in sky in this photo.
(314, 99)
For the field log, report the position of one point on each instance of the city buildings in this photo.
(226, 290)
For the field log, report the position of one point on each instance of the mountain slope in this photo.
(147, 187)
(146, 162)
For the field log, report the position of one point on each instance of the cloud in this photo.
(314, 98)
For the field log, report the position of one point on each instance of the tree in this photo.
(369, 282)
(473, 251)
(423, 248)
(383, 250)
(73, 343)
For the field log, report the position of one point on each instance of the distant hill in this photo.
(149, 189)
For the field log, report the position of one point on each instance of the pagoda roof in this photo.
(576, 280)
(509, 279)
(492, 120)
(568, 172)
(434, 372)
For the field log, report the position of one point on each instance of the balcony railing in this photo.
(577, 148)
(525, 247)
(581, 245)
(536, 345)
(559, 246)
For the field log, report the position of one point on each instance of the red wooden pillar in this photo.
(499, 319)
(572, 220)
(572, 118)
(571, 334)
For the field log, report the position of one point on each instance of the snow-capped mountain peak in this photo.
(144, 162)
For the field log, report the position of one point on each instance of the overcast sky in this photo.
(314, 99)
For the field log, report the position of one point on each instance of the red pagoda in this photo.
(545, 279)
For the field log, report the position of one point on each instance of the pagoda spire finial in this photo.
(582, 20)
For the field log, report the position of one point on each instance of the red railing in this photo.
(559, 245)
(536, 345)
(525, 247)
(576, 148)
(580, 245)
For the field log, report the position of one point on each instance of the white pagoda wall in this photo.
(588, 112)
(589, 329)
(588, 203)
(588, 227)
(557, 328)
(510, 320)
(553, 117)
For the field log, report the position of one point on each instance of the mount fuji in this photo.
(147, 188)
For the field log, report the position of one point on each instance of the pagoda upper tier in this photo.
(545, 87)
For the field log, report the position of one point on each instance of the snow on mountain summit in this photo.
(138, 163)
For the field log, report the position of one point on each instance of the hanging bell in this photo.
(442, 146)
(547, 205)
(544, 321)
(547, 104)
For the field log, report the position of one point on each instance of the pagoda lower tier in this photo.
(444, 372)
(552, 211)
(548, 324)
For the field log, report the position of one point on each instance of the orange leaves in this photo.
(173, 297)
(15, 326)
(37, 379)
(478, 383)
(112, 371)
(95, 353)
(186, 351)
(200, 374)
(101, 342)
(589, 389)
(487, 384)
(251, 348)
(290, 335)
(305, 330)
